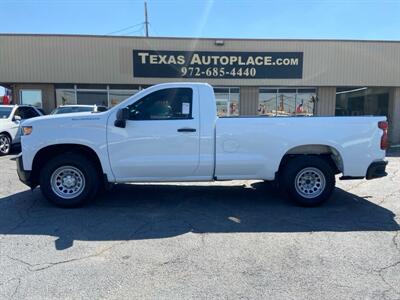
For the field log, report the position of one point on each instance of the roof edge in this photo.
(195, 38)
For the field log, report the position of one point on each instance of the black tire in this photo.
(5, 144)
(83, 172)
(307, 180)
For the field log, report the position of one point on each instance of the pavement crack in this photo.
(44, 266)
(396, 263)
(20, 261)
(16, 288)
(395, 243)
(361, 182)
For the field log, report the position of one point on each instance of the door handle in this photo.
(186, 130)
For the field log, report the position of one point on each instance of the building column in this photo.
(394, 116)
(248, 102)
(326, 101)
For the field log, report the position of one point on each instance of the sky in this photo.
(287, 19)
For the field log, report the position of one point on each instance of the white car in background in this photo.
(11, 117)
(67, 109)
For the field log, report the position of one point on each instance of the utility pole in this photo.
(146, 21)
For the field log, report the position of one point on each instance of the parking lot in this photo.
(228, 240)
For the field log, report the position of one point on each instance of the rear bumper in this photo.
(377, 170)
(24, 176)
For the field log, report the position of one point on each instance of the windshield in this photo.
(5, 112)
(71, 109)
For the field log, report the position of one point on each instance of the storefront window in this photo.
(287, 105)
(267, 102)
(108, 97)
(227, 100)
(31, 97)
(286, 102)
(117, 96)
(359, 101)
(92, 97)
(65, 97)
(305, 102)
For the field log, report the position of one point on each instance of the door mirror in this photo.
(122, 116)
(17, 118)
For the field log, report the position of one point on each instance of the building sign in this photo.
(208, 64)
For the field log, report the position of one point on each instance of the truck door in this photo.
(161, 137)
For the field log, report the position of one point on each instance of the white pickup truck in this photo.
(170, 132)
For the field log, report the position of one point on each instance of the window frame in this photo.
(166, 119)
(229, 90)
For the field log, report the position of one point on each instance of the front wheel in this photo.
(69, 180)
(308, 180)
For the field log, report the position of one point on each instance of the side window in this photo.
(26, 113)
(167, 104)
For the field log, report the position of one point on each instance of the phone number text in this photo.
(217, 72)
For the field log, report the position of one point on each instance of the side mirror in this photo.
(122, 116)
(17, 118)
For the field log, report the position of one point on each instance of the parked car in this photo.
(67, 109)
(11, 117)
(170, 132)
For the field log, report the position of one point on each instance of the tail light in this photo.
(384, 139)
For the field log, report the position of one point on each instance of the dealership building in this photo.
(250, 76)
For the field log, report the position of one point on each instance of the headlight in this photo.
(27, 130)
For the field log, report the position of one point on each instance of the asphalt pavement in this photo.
(225, 240)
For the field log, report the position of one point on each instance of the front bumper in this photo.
(24, 176)
(377, 170)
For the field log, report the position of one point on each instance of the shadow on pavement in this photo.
(140, 211)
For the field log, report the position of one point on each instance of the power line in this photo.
(134, 31)
(143, 25)
(126, 28)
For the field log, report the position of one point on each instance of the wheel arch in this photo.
(330, 153)
(8, 134)
(51, 151)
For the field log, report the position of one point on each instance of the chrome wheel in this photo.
(310, 182)
(4, 144)
(67, 182)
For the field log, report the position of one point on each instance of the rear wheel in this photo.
(69, 180)
(5, 144)
(308, 180)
